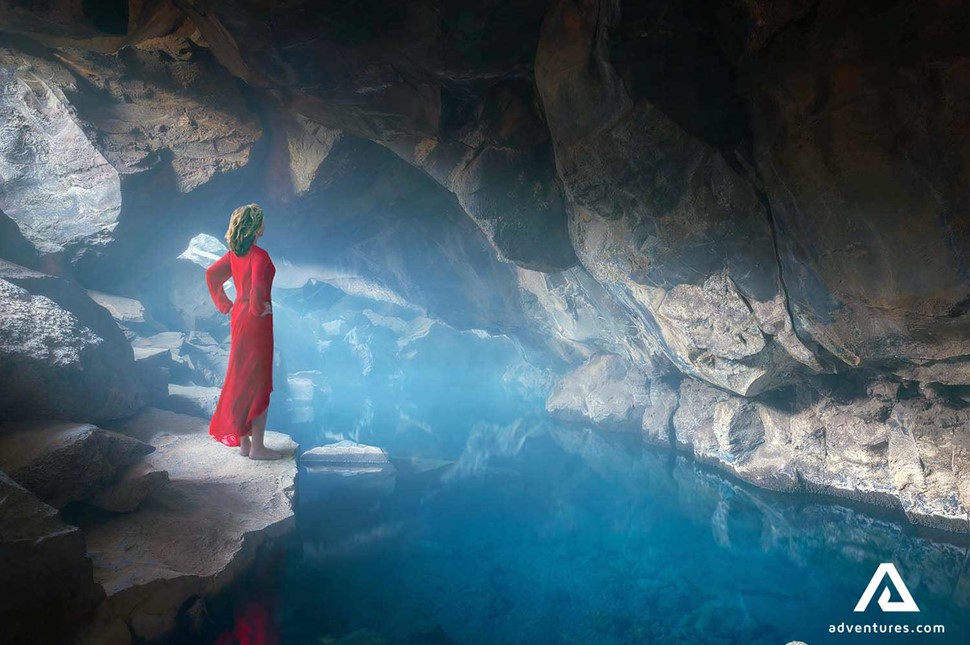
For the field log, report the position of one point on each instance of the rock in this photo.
(99, 27)
(197, 535)
(139, 482)
(62, 188)
(125, 310)
(606, 390)
(909, 453)
(207, 358)
(46, 582)
(64, 356)
(193, 400)
(151, 123)
(869, 203)
(14, 247)
(483, 141)
(578, 318)
(657, 420)
(424, 230)
(661, 219)
(66, 462)
(503, 174)
(344, 452)
(196, 357)
(187, 294)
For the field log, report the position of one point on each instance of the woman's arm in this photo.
(260, 303)
(215, 277)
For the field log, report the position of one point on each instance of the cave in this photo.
(585, 321)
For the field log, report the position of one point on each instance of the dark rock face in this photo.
(661, 218)
(861, 117)
(14, 247)
(44, 571)
(64, 357)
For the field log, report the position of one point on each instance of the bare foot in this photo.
(244, 445)
(264, 453)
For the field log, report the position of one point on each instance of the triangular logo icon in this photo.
(906, 604)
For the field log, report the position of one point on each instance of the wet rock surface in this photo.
(196, 534)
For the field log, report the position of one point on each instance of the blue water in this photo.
(549, 534)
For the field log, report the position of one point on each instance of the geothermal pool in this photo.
(563, 535)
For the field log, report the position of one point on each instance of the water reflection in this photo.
(541, 533)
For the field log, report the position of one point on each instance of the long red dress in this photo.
(249, 375)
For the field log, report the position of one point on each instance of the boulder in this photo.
(63, 356)
(128, 312)
(196, 358)
(197, 535)
(345, 452)
(66, 462)
(46, 582)
(138, 483)
(62, 188)
(186, 292)
(576, 317)
(194, 400)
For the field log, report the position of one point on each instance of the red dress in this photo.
(249, 375)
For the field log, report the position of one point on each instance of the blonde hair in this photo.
(244, 222)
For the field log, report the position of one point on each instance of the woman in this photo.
(240, 417)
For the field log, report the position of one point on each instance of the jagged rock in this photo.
(60, 188)
(421, 231)
(197, 359)
(63, 355)
(910, 453)
(503, 174)
(139, 482)
(207, 358)
(606, 390)
(194, 400)
(197, 535)
(99, 26)
(301, 147)
(46, 582)
(66, 462)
